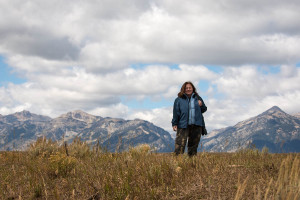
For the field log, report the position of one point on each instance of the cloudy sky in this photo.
(128, 59)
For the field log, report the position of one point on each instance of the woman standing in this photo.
(187, 119)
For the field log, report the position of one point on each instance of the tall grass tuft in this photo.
(140, 149)
(287, 185)
(61, 165)
(79, 149)
(43, 147)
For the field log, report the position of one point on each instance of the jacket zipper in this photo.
(188, 112)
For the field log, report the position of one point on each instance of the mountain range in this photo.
(274, 129)
(20, 129)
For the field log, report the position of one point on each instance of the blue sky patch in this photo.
(147, 103)
(214, 68)
(6, 74)
(269, 70)
(144, 65)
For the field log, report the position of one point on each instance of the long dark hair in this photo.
(182, 90)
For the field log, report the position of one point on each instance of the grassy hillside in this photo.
(51, 171)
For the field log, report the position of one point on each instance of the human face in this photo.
(188, 90)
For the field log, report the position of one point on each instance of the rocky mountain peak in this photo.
(275, 111)
(80, 116)
(23, 114)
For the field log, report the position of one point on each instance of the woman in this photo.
(187, 119)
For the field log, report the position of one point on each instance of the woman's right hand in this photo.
(174, 128)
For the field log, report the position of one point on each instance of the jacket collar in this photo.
(186, 97)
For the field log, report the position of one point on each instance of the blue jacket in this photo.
(181, 111)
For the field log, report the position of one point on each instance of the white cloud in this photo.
(74, 88)
(248, 91)
(159, 116)
(100, 36)
(132, 82)
(251, 83)
(116, 111)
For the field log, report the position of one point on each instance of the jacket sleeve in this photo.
(176, 113)
(203, 107)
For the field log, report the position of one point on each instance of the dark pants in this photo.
(192, 134)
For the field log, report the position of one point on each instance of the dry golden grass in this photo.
(48, 170)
